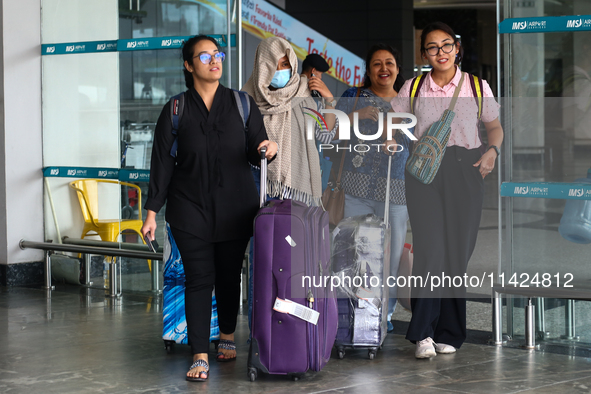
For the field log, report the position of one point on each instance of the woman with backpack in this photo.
(211, 199)
(445, 214)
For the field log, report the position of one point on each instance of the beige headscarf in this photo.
(295, 173)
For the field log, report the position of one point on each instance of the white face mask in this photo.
(281, 78)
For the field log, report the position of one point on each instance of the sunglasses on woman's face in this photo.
(206, 57)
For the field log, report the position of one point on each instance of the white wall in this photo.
(21, 187)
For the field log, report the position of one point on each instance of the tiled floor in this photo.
(79, 342)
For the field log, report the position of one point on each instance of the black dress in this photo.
(209, 187)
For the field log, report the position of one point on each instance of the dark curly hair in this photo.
(187, 51)
(383, 47)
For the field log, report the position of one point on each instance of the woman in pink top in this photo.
(445, 214)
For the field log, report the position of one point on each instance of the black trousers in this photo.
(208, 265)
(444, 217)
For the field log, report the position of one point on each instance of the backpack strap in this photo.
(477, 89)
(243, 104)
(415, 88)
(177, 105)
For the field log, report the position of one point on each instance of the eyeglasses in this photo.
(206, 57)
(434, 50)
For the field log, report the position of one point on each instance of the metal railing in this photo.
(114, 249)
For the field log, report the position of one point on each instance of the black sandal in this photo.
(226, 345)
(199, 363)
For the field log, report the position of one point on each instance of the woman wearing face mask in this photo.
(445, 214)
(210, 195)
(364, 173)
(283, 96)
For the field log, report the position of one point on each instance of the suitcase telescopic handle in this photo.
(263, 176)
(387, 206)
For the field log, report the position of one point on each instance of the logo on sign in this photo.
(521, 189)
(102, 173)
(575, 23)
(50, 49)
(519, 25)
(316, 119)
(131, 44)
(576, 192)
(70, 48)
(101, 47)
(134, 175)
(71, 172)
(166, 43)
(54, 171)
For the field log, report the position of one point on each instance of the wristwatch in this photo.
(496, 148)
(332, 103)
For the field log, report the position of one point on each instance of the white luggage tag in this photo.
(297, 310)
(290, 241)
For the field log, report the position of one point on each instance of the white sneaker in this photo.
(444, 349)
(425, 348)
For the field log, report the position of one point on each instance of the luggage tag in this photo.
(297, 310)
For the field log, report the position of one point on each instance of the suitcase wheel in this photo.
(341, 354)
(252, 374)
(372, 353)
(168, 345)
(295, 377)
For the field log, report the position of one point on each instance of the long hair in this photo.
(431, 27)
(187, 51)
(383, 47)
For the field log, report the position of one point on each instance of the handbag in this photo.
(333, 197)
(428, 151)
(405, 270)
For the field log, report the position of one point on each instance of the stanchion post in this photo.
(530, 325)
(114, 284)
(48, 285)
(497, 319)
(87, 267)
(156, 284)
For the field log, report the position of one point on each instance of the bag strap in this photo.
(345, 154)
(356, 98)
(387, 196)
(456, 93)
(177, 105)
(243, 103)
(477, 89)
(416, 85)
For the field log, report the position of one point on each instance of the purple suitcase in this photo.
(291, 241)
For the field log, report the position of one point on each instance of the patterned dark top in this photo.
(364, 173)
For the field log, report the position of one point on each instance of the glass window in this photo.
(100, 109)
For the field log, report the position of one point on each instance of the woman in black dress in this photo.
(210, 194)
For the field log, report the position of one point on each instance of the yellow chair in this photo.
(107, 229)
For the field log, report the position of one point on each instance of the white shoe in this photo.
(425, 348)
(444, 349)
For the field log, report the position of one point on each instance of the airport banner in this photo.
(264, 20)
(550, 24)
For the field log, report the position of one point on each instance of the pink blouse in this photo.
(432, 100)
